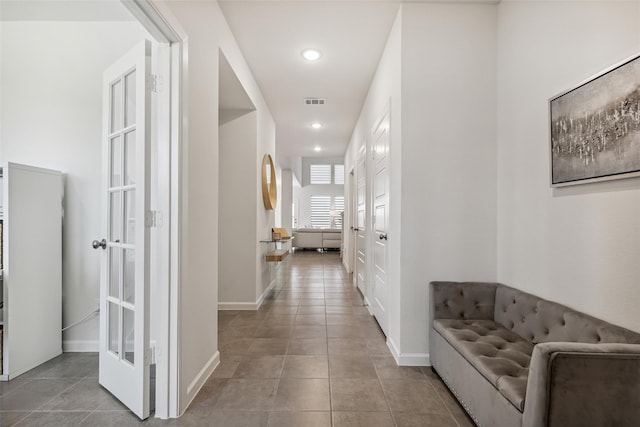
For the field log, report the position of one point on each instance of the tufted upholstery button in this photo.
(563, 322)
(514, 300)
(461, 293)
(463, 315)
(523, 319)
(546, 331)
(504, 309)
(446, 303)
(476, 304)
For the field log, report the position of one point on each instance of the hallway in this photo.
(312, 356)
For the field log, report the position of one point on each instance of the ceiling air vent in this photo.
(314, 101)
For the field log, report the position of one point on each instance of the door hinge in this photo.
(154, 83)
(153, 219)
(152, 356)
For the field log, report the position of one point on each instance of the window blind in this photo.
(320, 207)
(320, 174)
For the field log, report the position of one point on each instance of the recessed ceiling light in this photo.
(317, 148)
(316, 125)
(311, 54)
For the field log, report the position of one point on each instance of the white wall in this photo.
(237, 207)
(385, 90)
(52, 117)
(577, 245)
(443, 158)
(207, 32)
(448, 169)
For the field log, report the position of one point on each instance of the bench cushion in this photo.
(498, 354)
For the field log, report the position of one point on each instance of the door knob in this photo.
(99, 244)
(383, 236)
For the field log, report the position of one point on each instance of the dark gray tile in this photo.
(34, 394)
(300, 419)
(416, 396)
(228, 365)
(362, 419)
(387, 369)
(268, 346)
(70, 365)
(8, 419)
(237, 346)
(274, 332)
(237, 419)
(57, 418)
(208, 396)
(303, 331)
(357, 395)
(111, 419)
(348, 346)
(296, 366)
(302, 395)
(247, 395)
(404, 419)
(260, 367)
(310, 320)
(350, 366)
(86, 395)
(308, 346)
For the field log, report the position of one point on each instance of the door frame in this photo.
(165, 259)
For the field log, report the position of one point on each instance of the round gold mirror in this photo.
(269, 189)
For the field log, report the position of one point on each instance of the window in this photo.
(320, 207)
(320, 174)
(338, 207)
(338, 174)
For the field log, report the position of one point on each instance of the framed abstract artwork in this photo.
(595, 128)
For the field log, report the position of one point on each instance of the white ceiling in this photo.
(351, 37)
(64, 10)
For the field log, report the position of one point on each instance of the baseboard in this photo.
(80, 346)
(201, 378)
(408, 359)
(264, 294)
(223, 306)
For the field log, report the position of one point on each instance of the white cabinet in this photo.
(31, 317)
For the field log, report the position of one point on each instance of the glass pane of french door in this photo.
(121, 211)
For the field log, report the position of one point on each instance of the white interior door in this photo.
(380, 155)
(361, 221)
(124, 282)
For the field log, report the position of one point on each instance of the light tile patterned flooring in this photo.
(312, 356)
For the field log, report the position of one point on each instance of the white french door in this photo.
(124, 278)
(380, 291)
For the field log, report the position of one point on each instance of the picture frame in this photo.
(594, 127)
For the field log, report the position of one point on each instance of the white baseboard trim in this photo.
(202, 377)
(264, 294)
(223, 306)
(408, 359)
(80, 346)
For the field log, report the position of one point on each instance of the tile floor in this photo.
(312, 356)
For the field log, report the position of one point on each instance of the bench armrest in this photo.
(462, 300)
(577, 384)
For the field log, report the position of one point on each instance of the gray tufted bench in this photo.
(513, 359)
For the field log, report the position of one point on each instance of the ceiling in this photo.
(351, 36)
